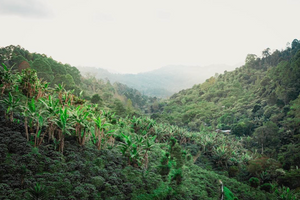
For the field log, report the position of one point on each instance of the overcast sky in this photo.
(137, 36)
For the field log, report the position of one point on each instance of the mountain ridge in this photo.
(162, 82)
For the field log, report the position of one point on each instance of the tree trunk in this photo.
(36, 135)
(41, 140)
(61, 144)
(11, 116)
(83, 137)
(26, 129)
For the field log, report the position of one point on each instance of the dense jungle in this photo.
(68, 136)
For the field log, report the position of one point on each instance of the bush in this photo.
(233, 170)
(96, 98)
(291, 179)
(228, 194)
(98, 181)
(266, 187)
(254, 182)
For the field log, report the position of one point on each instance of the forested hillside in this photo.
(117, 97)
(162, 82)
(258, 102)
(64, 136)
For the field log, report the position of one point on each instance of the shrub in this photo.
(254, 182)
(266, 187)
(96, 98)
(98, 181)
(233, 170)
(291, 179)
(228, 194)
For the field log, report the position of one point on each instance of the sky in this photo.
(137, 35)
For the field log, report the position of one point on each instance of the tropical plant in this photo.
(60, 90)
(11, 103)
(82, 125)
(51, 107)
(284, 193)
(28, 81)
(32, 115)
(136, 149)
(37, 192)
(7, 78)
(64, 127)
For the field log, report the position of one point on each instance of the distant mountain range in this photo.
(162, 82)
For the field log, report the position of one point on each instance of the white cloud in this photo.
(24, 8)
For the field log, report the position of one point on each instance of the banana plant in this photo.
(37, 192)
(60, 90)
(221, 154)
(151, 123)
(80, 117)
(100, 126)
(129, 149)
(63, 126)
(6, 79)
(149, 144)
(28, 81)
(136, 149)
(41, 88)
(124, 146)
(68, 97)
(11, 104)
(51, 107)
(33, 115)
(42, 121)
(284, 193)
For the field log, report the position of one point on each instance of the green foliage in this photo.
(165, 167)
(67, 80)
(284, 193)
(153, 160)
(96, 98)
(136, 149)
(228, 194)
(290, 179)
(74, 72)
(267, 187)
(242, 128)
(37, 192)
(254, 182)
(11, 104)
(43, 69)
(233, 170)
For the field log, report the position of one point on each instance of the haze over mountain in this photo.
(162, 82)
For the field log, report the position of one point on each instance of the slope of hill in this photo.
(162, 82)
(56, 145)
(258, 102)
(118, 97)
